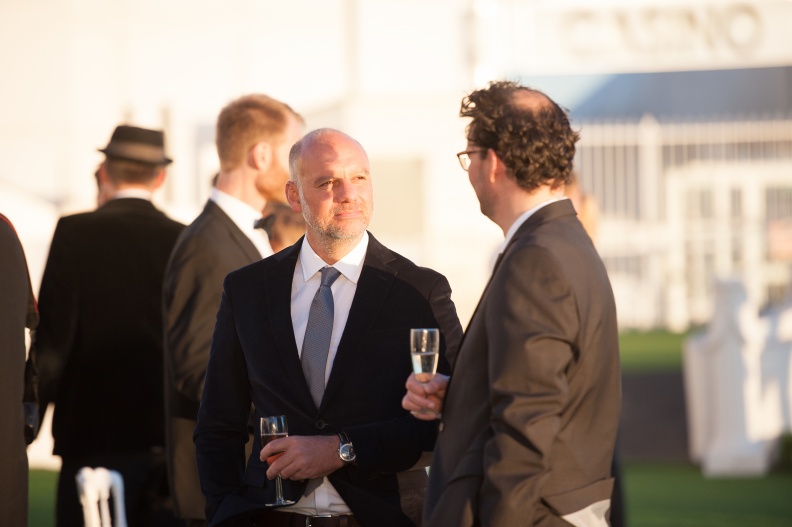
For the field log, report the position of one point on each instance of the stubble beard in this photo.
(334, 238)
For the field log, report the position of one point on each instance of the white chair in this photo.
(95, 486)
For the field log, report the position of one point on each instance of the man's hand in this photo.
(425, 399)
(302, 457)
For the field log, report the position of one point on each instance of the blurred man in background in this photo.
(99, 345)
(283, 226)
(253, 136)
(17, 312)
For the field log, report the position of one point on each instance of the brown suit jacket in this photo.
(532, 408)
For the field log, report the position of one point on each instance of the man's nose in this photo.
(345, 191)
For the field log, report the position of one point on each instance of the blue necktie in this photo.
(316, 343)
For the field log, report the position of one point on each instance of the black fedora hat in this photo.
(137, 144)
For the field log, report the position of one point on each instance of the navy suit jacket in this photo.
(254, 359)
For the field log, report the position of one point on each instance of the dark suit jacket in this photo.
(99, 344)
(17, 311)
(255, 359)
(530, 415)
(207, 250)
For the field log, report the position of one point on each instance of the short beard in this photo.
(333, 239)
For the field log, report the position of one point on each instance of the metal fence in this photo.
(683, 203)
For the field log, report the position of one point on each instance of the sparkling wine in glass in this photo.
(275, 427)
(424, 349)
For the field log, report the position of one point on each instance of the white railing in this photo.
(684, 203)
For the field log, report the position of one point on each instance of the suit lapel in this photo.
(278, 294)
(235, 235)
(372, 289)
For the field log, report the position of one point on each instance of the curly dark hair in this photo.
(533, 139)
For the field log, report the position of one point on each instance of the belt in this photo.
(291, 519)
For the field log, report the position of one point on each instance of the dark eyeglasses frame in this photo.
(464, 157)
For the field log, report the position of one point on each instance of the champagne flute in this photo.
(275, 427)
(425, 350)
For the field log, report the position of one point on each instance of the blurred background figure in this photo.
(17, 312)
(99, 344)
(104, 191)
(253, 136)
(585, 206)
(282, 225)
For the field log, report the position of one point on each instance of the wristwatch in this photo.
(345, 450)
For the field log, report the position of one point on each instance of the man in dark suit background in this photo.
(17, 312)
(530, 413)
(99, 344)
(259, 356)
(253, 136)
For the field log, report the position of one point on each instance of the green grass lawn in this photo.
(651, 351)
(678, 496)
(41, 499)
(655, 495)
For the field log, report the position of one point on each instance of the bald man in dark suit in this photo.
(349, 439)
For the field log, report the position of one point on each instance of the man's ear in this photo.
(260, 156)
(494, 166)
(104, 179)
(293, 196)
(159, 179)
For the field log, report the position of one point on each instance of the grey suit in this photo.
(210, 248)
(531, 412)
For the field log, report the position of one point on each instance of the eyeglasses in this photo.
(464, 157)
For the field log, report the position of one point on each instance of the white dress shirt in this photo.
(133, 192)
(522, 219)
(305, 284)
(244, 216)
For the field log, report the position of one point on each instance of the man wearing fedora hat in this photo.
(99, 344)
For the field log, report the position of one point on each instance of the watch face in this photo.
(346, 452)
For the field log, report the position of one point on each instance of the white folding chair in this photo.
(95, 486)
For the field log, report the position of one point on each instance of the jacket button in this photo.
(320, 425)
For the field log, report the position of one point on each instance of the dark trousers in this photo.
(146, 496)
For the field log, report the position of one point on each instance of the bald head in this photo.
(331, 185)
(321, 143)
(533, 100)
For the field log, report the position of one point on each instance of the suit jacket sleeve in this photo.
(191, 294)
(56, 332)
(394, 446)
(531, 320)
(220, 439)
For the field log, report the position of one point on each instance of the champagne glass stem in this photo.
(278, 489)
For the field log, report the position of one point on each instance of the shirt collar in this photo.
(522, 219)
(351, 265)
(133, 192)
(242, 214)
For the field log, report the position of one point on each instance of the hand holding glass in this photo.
(425, 349)
(272, 428)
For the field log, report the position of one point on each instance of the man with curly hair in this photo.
(530, 411)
